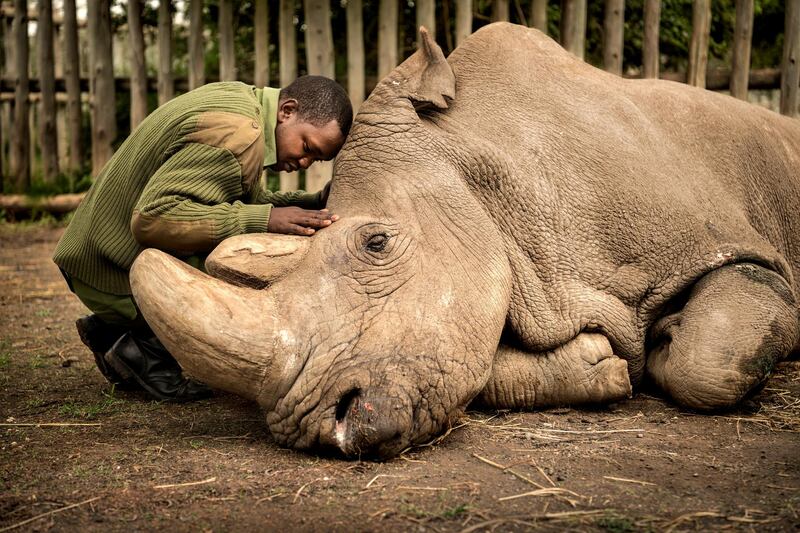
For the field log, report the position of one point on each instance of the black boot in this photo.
(99, 337)
(146, 361)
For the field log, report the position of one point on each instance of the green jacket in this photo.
(186, 178)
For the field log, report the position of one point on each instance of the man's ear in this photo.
(286, 109)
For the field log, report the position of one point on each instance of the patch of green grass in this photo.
(196, 444)
(455, 512)
(616, 524)
(88, 411)
(41, 313)
(5, 353)
(38, 362)
(5, 359)
(35, 402)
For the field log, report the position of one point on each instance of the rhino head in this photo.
(372, 335)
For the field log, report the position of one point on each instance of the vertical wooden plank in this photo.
(500, 11)
(698, 48)
(319, 58)
(166, 86)
(426, 16)
(73, 86)
(137, 62)
(101, 84)
(650, 52)
(573, 26)
(20, 142)
(387, 36)
(355, 53)
(790, 70)
(463, 20)
(538, 16)
(261, 71)
(614, 29)
(227, 58)
(288, 69)
(197, 68)
(742, 41)
(47, 83)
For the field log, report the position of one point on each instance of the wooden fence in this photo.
(42, 120)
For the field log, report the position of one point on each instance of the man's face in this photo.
(299, 143)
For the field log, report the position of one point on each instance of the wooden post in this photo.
(698, 48)
(539, 15)
(319, 58)
(197, 67)
(614, 29)
(355, 53)
(261, 71)
(101, 84)
(426, 16)
(20, 143)
(227, 59)
(47, 83)
(288, 69)
(650, 53)
(742, 41)
(500, 11)
(387, 37)
(573, 26)
(138, 71)
(790, 72)
(463, 20)
(73, 83)
(166, 86)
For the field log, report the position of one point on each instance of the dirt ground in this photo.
(76, 455)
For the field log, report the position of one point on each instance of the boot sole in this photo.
(120, 382)
(125, 371)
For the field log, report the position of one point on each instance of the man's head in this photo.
(314, 117)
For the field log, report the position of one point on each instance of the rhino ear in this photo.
(425, 78)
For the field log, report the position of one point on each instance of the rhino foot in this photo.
(582, 371)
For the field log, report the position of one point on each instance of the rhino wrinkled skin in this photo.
(517, 227)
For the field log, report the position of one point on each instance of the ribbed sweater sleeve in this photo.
(306, 200)
(193, 202)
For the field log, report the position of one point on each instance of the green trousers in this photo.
(116, 309)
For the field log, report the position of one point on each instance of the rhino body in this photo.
(516, 226)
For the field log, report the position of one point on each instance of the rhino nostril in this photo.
(349, 399)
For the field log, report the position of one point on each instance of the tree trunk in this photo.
(20, 147)
(463, 20)
(20, 205)
(698, 48)
(742, 39)
(426, 16)
(500, 11)
(355, 53)
(790, 74)
(261, 72)
(197, 67)
(73, 85)
(539, 15)
(138, 71)
(288, 69)
(319, 58)
(614, 29)
(573, 26)
(103, 105)
(166, 86)
(387, 37)
(47, 84)
(227, 59)
(650, 53)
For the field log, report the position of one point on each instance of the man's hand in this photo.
(298, 221)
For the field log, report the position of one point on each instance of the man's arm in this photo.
(306, 200)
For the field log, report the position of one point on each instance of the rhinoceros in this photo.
(516, 226)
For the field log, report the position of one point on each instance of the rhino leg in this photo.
(582, 371)
(738, 321)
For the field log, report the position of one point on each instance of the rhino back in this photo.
(615, 195)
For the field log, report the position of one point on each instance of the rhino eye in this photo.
(376, 242)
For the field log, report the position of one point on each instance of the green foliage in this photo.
(107, 405)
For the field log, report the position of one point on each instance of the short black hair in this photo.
(320, 100)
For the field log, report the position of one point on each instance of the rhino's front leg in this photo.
(738, 321)
(583, 371)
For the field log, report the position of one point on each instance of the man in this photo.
(184, 180)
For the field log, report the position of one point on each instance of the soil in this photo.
(75, 454)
